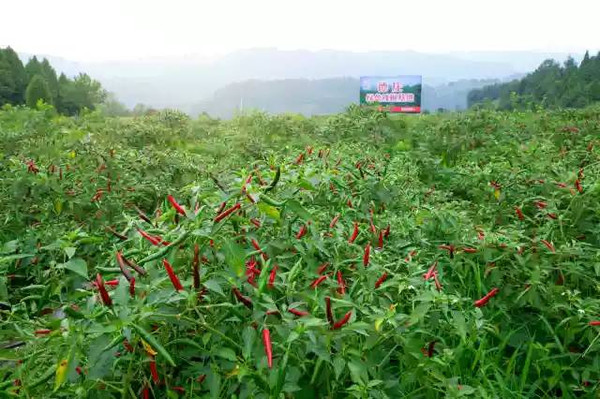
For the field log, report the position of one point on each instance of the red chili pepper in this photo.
(201, 378)
(176, 205)
(196, 267)
(272, 277)
(431, 271)
(228, 212)
(103, 293)
(250, 198)
(519, 213)
(341, 283)
(42, 331)
(154, 371)
(470, 250)
(334, 221)
(112, 283)
(143, 216)
(495, 184)
(380, 244)
(349, 203)
(552, 215)
(245, 300)
(221, 207)
(578, 186)
(329, 311)
(561, 185)
(438, 285)
(541, 204)
(483, 301)
(172, 276)
(301, 232)
(132, 287)
(340, 323)
(296, 312)
(78, 370)
(255, 222)
(255, 245)
(266, 337)
(367, 255)
(381, 280)
(354, 233)
(594, 323)
(127, 346)
(580, 174)
(322, 268)
(300, 158)
(318, 281)
(153, 240)
(181, 390)
(410, 255)
(431, 348)
(332, 188)
(480, 235)
(141, 271)
(123, 266)
(449, 248)
(548, 245)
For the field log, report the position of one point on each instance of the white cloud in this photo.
(125, 29)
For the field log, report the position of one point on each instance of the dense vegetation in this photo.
(551, 85)
(35, 81)
(405, 228)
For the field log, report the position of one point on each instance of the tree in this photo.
(37, 90)
(81, 92)
(13, 77)
(33, 67)
(550, 85)
(50, 75)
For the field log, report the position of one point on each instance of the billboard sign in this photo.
(392, 93)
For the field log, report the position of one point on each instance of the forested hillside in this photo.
(37, 80)
(551, 85)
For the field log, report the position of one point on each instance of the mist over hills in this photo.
(191, 83)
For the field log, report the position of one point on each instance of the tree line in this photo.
(37, 80)
(551, 85)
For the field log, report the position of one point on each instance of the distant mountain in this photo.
(319, 96)
(181, 82)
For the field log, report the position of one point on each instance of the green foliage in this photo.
(39, 79)
(13, 78)
(551, 86)
(70, 188)
(37, 90)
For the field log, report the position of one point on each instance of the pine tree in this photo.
(33, 67)
(50, 75)
(13, 78)
(37, 90)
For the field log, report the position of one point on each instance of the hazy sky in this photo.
(89, 30)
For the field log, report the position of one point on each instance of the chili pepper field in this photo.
(353, 255)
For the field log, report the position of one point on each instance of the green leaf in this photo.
(249, 337)
(214, 286)
(77, 266)
(298, 209)
(99, 361)
(358, 371)
(235, 257)
(226, 353)
(70, 251)
(338, 366)
(269, 210)
(58, 206)
(10, 246)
